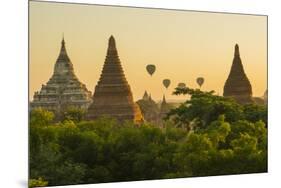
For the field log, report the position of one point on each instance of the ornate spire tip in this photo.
(62, 41)
(236, 50)
(111, 43)
(111, 40)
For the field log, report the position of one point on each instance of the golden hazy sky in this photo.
(182, 44)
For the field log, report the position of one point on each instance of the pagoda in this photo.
(149, 108)
(164, 108)
(145, 96)
(113, 96)
(237, 84)
(63, 90)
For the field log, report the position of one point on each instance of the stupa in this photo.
(164, 108)
(237, 84)
(113, 96)
(149, 108)
(63, 89)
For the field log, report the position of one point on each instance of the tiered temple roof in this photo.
(113, 96)
(63, 89)
(237, 84)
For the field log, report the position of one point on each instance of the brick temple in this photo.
(63, 90)
(113, 96)
(237, 84)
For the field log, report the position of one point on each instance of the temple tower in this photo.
(149, 108)
(145, 96)
(63, 89)
(113, 96)
(164, 108)
(237, 84)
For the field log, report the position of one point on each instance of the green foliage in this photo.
(254, 112)
(41, 117)
(37, 183)
(204, 107)
(208, 135)
(74, 114)
(218, 131)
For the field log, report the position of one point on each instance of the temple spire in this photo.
(236, 51)
(111, 42)
(63, 50)
(164, 108)
(145, 96)
(237, 84)
(111, 50)
(113, 96)
(63, 64)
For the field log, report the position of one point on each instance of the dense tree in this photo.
(254, 112)
(204, 107)
(74, 114)
(41, 117)
(207, 135)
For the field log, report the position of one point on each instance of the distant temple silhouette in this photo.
(113, 96)
(154, 112)
(145, 96)
(164, 108)
(237, 84)
(149, 108)
(63, 89)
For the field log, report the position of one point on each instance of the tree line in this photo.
(207, 135)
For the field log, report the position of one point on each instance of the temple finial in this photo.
(236, 53)
(111, 42)
(63, 54)
(112, 47)
(62, 41)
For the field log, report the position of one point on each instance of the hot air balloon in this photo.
(200, 81)
(150, 69)
(181, 85)
(166, 83)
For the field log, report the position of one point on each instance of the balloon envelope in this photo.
(166, 82)
(200, 81)
(181, 85)
(150, 69)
